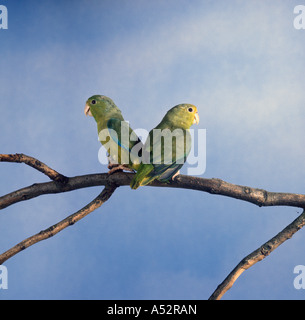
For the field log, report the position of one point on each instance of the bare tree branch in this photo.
(256, 196)
(34, 163)
(38, 189)
(259, 254)
(259, 197)
(51, 231)
(62, 183)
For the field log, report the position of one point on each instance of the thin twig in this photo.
(34, 163)
(258, 255)
(51, 231)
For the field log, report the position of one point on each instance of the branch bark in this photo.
(51, 231)
(256, 196)
(259, 254)
(34, 163)
(62, 183)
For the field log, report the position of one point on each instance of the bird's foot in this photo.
(118, 167)
(175, 175)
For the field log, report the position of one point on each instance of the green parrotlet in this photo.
(167, 146)
(122, 144)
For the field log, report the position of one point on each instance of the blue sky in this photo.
(240, 62)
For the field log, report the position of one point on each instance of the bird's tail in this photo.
(142, 177)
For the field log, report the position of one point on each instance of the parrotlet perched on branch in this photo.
(122, 144)
(167, 146)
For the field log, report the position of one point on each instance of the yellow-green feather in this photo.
(176, 118)
(108, 116)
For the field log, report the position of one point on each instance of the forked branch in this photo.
(62, 183)
(51, 231)
(34, 163)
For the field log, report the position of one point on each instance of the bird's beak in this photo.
(87, 111)
(196, 119)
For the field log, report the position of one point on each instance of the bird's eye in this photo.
(93, 102)
(190, 109)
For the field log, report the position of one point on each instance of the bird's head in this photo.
(99, 106)
(183, 115)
